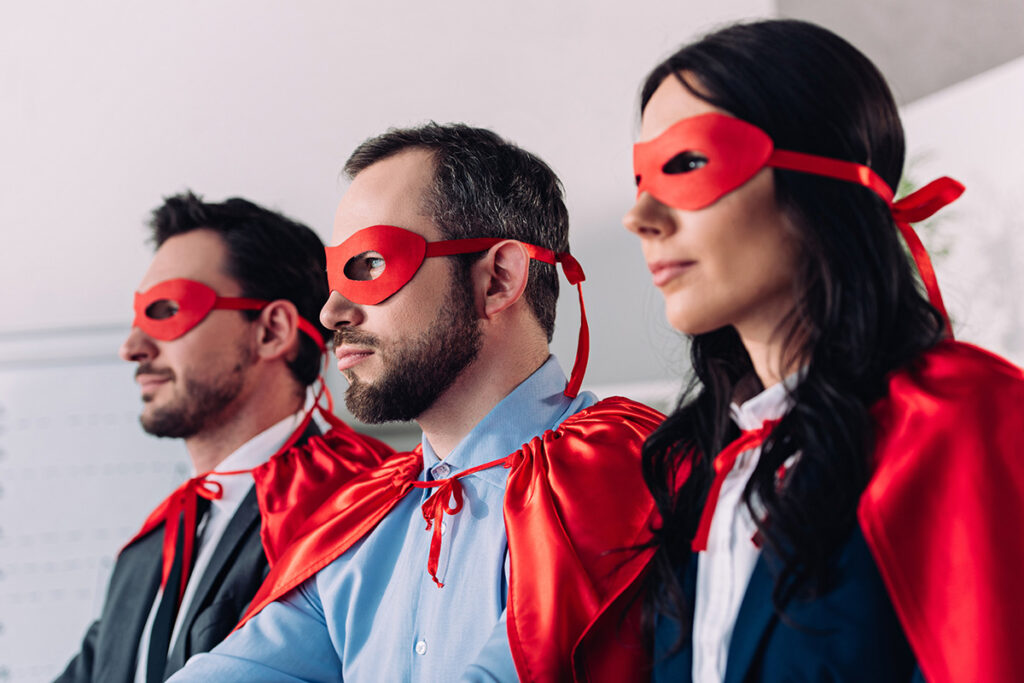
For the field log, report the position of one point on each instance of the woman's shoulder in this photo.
(951, 376)
(943, 504)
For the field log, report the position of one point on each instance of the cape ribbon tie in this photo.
(184, 499)
(723, 465)
(915, 207)
(918, 206)
(574, 274)
(437, 505)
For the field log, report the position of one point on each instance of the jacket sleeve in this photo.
(79, 669)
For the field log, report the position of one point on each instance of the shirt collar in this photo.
(770, 404)
(252, 453)
(532, 408)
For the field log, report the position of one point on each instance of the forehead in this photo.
(391, 191)
(670, 103)
(199, 255)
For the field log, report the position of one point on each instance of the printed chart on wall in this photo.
(77, 477)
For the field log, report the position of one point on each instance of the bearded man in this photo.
(225, 352)
(485, 553)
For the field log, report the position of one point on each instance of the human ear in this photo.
(501, 276)
(278, 330)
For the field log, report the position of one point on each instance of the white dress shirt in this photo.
(724, 569)
(252, 453)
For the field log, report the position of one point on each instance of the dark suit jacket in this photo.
(237, 568)
(851, 633)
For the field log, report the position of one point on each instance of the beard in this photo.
(418, 370)
(202, 402)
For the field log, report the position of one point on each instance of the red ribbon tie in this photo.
(435, 507)
(184, 500)
(723, 464)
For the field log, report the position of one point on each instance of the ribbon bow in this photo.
(918, 206)
(437, 505)
(723, 465)
(915, 207)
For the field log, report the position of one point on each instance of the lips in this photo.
(350, 356)
(149, 382)
(664, 272)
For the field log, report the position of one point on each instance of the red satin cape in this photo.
(944, 512)
(575, 505)
(292, 484)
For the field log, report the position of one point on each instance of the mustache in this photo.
(148, 369)
(352, 336)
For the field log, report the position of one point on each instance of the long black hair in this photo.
(859, 313)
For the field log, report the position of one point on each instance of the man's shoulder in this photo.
(614, 421)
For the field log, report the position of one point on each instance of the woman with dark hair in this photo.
(840, 486)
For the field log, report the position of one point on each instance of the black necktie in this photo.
(167, 612)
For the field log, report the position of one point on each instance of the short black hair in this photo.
(270, 255)
(485, 186)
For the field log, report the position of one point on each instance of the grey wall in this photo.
(922, 46)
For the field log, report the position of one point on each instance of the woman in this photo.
(840, 486)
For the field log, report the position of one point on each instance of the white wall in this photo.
(107, 106)
(972, 131)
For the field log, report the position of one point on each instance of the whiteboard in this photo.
(77, 477)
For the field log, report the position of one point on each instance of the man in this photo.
(225, 354)
(443, 303)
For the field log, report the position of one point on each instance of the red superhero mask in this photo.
(698, 160)
(169, 309)
(376, 262)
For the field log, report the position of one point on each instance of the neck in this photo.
(768, 355)
(497, 370)
(239, 422)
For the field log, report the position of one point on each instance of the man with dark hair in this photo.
(483, 554)
(226, 352)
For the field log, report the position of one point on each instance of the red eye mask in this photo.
(399, 253)
(700, 159)
(169, 309)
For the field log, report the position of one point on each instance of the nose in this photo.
(649, 218)
(137, 347)
(339, 312)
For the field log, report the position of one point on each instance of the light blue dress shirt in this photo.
(374, 614)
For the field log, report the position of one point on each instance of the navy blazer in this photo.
(236, 570)
(850, 633)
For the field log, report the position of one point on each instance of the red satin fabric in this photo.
(575, 507)
(289, 487)
(723, 465)
(575, 496)
(944, 512)
(182, 499)
(346, 516)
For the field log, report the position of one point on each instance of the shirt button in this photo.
(442, 470)
(444, 528)
(421, 647)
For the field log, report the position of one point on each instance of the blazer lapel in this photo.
(246, 516)
(756, 614)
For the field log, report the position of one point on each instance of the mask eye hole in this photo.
(162, 309)
(366, 266)
(684, 162)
